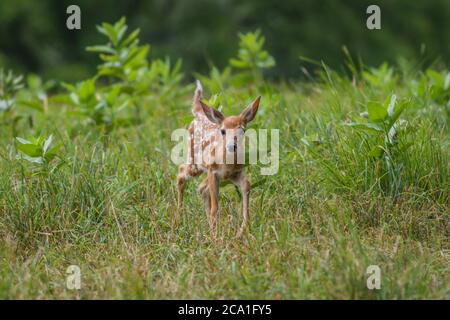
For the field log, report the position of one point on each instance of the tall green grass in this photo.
(332, 210)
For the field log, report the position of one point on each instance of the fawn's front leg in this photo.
(213, 186)
(181, 184)
(244, 186)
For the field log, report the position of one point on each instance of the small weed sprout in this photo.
(39, 153)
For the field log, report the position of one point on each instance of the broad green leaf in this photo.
(47, 143)
(33, 104)
(397, 112)
(421, 87)
(389, 104)
(130, 39)
(101, 49)
(121, 33)
(30, 150)
(447, 82)
(110, 32)
(23, 141)
(436, 78)
(377, 112)
(38, 160)
(68, 86)
(74, 97)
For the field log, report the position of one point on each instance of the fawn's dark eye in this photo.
(222, 131)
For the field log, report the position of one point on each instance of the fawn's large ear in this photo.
(196, 101)
(213, 115)
(250, 112)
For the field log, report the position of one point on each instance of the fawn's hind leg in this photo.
(181, 185)
(204, 192)
(185, 172)
(213, 187)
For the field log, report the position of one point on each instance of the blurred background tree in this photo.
(34, 37)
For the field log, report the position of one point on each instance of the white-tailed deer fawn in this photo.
(213, 140)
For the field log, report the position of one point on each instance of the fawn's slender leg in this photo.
(213, 186)
(181, 185)
(204, 192)
(244, 186)
(185, 172)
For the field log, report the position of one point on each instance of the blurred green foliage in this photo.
(34, 38)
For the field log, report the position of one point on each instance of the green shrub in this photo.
(252, 58)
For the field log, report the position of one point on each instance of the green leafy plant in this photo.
(10, 84)
(381, 123)
(39, 153)
(217, 80)
(163, 80)
(251, 53)
(101, 106)
(381, 76)
(439, 86)
(381, 131)
(35, 95)
(126, 67)
(123, 58)
(434, 86)
(252, 56)
(215, 101)
(379, 148)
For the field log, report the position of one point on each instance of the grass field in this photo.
(349, 192)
